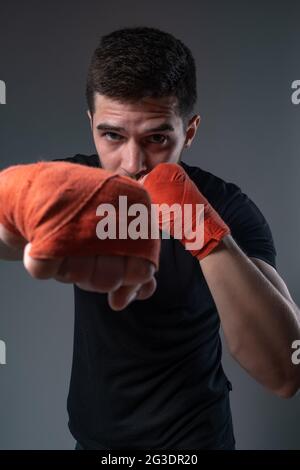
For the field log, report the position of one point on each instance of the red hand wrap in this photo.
(53, 206)
(168, 183)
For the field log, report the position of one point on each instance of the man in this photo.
(150, 376)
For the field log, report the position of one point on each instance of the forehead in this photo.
(146, 109)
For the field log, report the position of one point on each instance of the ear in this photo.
(191, 130)
(90, 119)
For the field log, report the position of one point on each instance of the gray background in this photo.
(247, 55)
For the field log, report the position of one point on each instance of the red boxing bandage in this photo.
(169, 184)
(53, 206)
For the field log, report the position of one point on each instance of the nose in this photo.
(133, 160)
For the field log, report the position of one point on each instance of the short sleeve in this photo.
(248, 226)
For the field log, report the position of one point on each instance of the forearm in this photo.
(259, 323)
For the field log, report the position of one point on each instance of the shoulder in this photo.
(248, 225)
(88, 160)
(218, 192)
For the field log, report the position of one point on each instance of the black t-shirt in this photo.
(150, 376)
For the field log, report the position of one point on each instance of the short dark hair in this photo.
(133, 63)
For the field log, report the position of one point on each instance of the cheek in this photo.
(109, 160)
(170, 155)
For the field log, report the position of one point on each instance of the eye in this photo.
(158, 138)
(112, 136)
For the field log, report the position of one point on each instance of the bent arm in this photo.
(259, 318)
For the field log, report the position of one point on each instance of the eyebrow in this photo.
(105, 126)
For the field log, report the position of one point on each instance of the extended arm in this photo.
(48, 220)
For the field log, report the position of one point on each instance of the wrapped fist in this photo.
(51, 208)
